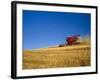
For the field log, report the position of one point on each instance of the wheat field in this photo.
(53, 57)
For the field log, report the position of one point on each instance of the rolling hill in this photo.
(53, 57)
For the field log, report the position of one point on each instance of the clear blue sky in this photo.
(43, 29)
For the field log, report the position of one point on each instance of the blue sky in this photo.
(43, 29)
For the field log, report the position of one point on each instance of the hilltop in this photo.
(55, 56)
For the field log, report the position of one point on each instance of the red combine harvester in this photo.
(72, 39)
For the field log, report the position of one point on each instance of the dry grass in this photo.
(69, 56)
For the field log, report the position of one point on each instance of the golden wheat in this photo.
(70, 56)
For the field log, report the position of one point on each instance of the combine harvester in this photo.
(71, 40)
